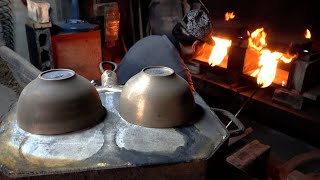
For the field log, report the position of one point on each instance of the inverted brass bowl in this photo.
(157, 97)
(59, 101)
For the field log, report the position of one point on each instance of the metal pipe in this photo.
(140, 20)
(75, 9)
(124, 44)
(132, 21)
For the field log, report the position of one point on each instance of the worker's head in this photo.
(193, 32)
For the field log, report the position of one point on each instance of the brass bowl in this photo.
(59, 101)
(157, 97)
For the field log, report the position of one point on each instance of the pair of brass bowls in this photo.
(60, 101)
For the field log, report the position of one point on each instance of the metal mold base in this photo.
(112, 144)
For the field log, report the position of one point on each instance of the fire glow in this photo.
(268, 61)
(307, 34)
(268, 66)
(219, 51)
(229, 15)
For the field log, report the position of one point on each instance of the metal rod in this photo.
(244, 104)
(132, 21)
(204, 6)
(140, 20)
(124, 44)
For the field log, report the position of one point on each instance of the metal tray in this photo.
(114, 143)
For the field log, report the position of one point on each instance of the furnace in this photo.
(242, 58)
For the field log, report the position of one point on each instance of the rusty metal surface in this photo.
(80, 52)
(114, 143)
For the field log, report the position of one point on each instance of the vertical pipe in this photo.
(140, 20)
(75, 9)
(132, 21)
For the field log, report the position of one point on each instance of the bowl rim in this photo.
(70, 71)
(166, 71)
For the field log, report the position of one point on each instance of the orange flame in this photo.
(268, 60)
(268, 63)
(229, 15)
(257, 39)
(219, 51)
(307, 34)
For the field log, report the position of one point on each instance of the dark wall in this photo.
(285, 16)
(278, 16)
(288, 13)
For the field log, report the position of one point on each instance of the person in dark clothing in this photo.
(155, 50)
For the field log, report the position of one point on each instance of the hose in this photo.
(6, 23)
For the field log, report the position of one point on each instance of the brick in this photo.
(38, 11)
(40, 47)
(36, 25)
(251, 158)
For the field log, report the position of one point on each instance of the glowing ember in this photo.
(268, 60)
(307, 35)
(219, 51)
(229, 16)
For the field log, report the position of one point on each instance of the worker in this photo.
(187, 43)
